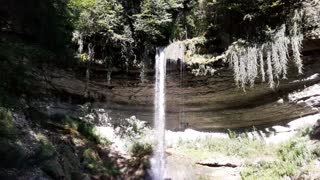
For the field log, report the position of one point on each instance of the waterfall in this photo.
(182, 119)
(158, 159)
(173, 52)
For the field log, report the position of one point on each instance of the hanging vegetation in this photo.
(244, 56)
(125, 34)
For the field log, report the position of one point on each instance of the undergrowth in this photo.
(260, 160)
(240, 147)
(289, 158)
(84, 128)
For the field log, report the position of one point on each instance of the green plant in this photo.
(46, 150)
(91, 160)
(307, 131)
(18, 61)
(94, 163)
(7, 127)
(132, 128)
(316, 151)
(85, 128)
(291, 156)
(140, 150)
(242, 147)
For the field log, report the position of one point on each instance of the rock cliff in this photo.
(202, 102)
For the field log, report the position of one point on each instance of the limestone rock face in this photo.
(201, 103)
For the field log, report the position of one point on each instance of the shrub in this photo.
(83, 127)
(242, 147)
(291, 156)
(93, 162)
(140, 149)
(46, 151)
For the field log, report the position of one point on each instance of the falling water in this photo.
(182, 119)
(158, 159)
(173, 52)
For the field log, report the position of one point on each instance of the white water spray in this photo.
(158, 159)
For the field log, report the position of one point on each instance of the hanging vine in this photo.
(244, 57)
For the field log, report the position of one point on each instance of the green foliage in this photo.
(241, 147)
(20, 62)
(12, 153)
(291, 156)
(123, 31)
(188, 20)
(93, 162)
(305, 132)
(46, 150)
(15, 71)
(87, 130)
(154, 18)
(33, 33)
(274, 161)
(230, 20)
(46, 23)
(84, 128)
(99, 16)
(81, 3)
(7, 127)
(316, 151)
(104, 25)
(141, 149)
(91, 159)
(132, 128)
(295, 152)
